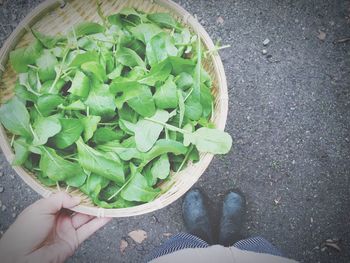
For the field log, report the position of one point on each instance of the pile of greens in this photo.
(112, 108)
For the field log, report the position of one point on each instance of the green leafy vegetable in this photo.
(112, 109)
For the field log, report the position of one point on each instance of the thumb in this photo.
(56, 202)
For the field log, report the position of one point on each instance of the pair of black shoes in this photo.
(199, 220)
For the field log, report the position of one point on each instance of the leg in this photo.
(259, 245)
(177, 242)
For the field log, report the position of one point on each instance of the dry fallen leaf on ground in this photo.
(138, 235)
(321, 35)
(123, 245)
(220, 20)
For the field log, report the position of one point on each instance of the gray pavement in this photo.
(288, 115)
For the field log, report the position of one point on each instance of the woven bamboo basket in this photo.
(58, 16)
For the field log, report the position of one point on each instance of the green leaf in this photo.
(143, 102)
(70, 133)
(159, 48)
(126, 153)
(48, 87)
(158, 72)
(101, 102)
(22, 57)
(165, 96)
(184, 81)
(95, 70)
(47, 41)
(147, 132)
(144, 32)
(161, 168)
(57, 168)
(90, 125)
(76, 180)
(96, 162)
(77, 105)
(138, 190)
(129, 57)
(180, 65)
(46, 63)
(164, 20)
(45, 128)
(209, 140)
(193, 107)
(163, 146)
(79, 59)
(23, 93)
(181, 107)
(21, 150)
(126, 126)
(80, 85)
(15, 117)
(85, 28)
(105, 134)
(47, 103)
(206, 101)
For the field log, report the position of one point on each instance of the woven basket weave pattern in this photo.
(53, 17)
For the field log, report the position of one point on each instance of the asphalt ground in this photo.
(288, 116)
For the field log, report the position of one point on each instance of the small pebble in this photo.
(3, 208)
(14, 215)
(266, 42)
(1, 173)
(264, 51)
(1, 189)
(12, 176)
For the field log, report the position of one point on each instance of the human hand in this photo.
(47, 232)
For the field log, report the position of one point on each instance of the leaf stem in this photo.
(170, 127)
(121, 188)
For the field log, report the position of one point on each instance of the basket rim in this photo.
(204, 162)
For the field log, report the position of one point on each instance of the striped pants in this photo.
(184, 240)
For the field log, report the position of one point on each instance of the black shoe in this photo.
(196, 215)
(232, 216)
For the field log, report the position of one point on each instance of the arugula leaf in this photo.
(80, 85)
(101, 102)
(163, 146)
(182, 107)
(209, 140)
(22, 57)
(159, 72)
(147, 132)
(184, 81)
(22, 151)
(44, 128)
(96, 162)
(144, 32)
(85, 28)
(165, 96)
(48, 103)
(55, 167)
(47, 41)
(79, 59)
(46, 63)
(105, 134)
(159, 48)
(70, 133)
(161, 168)
(164, 20)
(143, 102)
(95, 70)
(129, 57)
(15, 117)
(90, 125)
(138, 190)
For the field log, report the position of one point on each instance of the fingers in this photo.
(91, 227)
(56, 202)
(80, 219)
